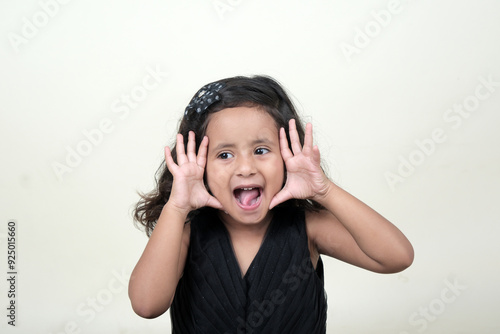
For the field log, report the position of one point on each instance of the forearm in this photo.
(378, 238)
(155, 277)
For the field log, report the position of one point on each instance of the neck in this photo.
(238, 229)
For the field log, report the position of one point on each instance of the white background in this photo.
(63, 68)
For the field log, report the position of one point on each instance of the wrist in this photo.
(326, 193)
(173, 209)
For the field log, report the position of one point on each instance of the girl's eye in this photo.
(225, 155)
(261, 151)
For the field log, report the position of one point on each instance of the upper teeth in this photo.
(247, 188)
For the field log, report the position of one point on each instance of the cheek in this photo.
(280, 174)
(214, 178)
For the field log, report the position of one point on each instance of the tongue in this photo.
(247, 197)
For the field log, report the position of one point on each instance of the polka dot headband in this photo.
(204, 98)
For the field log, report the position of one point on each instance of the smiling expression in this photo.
(244, 165)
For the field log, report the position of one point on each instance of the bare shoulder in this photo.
(321, 227)
(315, 228)
(328, 236)
(186, 234)
(186, 237)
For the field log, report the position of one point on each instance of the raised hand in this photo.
(188, 190)
(305, 178)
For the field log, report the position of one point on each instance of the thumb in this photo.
(282, 196)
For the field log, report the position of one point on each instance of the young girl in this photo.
(240, 216)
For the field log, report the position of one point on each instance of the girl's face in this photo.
(244, 165)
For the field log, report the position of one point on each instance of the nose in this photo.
(245, 166)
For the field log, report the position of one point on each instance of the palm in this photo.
(188, 189)
(188, 186)
(305, 178)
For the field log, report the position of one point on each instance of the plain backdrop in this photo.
(404, 97)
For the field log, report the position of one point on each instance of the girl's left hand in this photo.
(305, 179)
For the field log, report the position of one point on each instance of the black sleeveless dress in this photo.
(281, 291)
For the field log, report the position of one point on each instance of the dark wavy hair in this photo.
(262, 92)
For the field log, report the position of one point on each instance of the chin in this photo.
(248, 219)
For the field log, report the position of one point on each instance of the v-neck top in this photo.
(281, 292)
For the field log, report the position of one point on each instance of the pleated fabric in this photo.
(281, 291)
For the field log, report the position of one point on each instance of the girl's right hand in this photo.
(188, 189)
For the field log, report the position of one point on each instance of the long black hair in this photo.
(262, 92)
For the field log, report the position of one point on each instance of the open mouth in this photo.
(248, 198)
